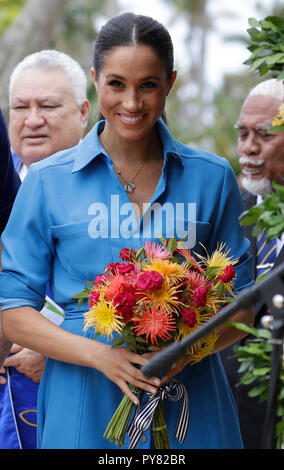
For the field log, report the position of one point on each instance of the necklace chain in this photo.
(129, 186)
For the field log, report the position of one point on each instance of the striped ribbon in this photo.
(173, 390)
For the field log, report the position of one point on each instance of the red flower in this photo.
(229, 274)
(125, 301)
(124, 268)
(126, 254)
(150, 280)
(112, 267)
(93, 297)
(189, 316)
(200, 296)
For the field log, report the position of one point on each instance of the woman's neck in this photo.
(126, 152)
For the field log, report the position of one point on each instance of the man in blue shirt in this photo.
(48, 111)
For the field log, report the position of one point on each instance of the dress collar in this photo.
(90, 147)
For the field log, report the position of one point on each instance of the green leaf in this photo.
(244, 366)
(140, 252)
(261, 371)
(256, 35)
(275, 58)
(280, 76)
(254, 23)
(275, 231)
(244, 327)
(254, 392)
(276, 20)
(118, 342)
(263, 70)
(264, 333)
(172, 245)
(276, 128)
(256, 64)
(278, 188)
(247, 379)
(270, 202)
(266, 24)
(211, 271)
(162, 240)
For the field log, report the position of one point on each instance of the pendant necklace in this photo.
(129, 186)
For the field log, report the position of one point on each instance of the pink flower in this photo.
(189, 316)
(126, 254)
(124, 268)
(93, 298)
(200, 296)
(100, 279)
(229, 274)
(154, 250)
(150, 280)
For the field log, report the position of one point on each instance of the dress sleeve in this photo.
(227, 228)
(9, 179)
(27, 248)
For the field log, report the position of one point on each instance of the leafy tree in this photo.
(9, 10)
(40, 24)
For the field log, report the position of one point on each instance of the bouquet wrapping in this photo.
(157, 295)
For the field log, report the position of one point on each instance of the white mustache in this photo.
(253, 161)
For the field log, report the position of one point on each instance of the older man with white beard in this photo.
(261, 156)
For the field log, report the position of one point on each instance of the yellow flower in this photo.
(172, 272)
(184, 330)
(203, 348)
(103, 318)
(279, 119)
(219, 259)
(200, 349)
(166, 298)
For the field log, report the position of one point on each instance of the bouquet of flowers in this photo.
(157, 295)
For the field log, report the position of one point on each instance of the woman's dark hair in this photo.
(129, 29)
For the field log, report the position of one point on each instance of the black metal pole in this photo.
(162, 361)
(266, 289)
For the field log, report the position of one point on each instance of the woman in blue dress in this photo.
(127, 181)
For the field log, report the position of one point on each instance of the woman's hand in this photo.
(177, 367)
(118, 364)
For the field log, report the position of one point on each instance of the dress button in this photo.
(143, 438)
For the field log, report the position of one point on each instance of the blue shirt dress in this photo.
(70, 219)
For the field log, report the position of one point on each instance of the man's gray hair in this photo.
(53, 59)
(272, 87)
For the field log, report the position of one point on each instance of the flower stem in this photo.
(160, 431)
(118, 424)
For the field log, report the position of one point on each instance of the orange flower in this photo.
(116, 286)
(189, 258)
(154, 323)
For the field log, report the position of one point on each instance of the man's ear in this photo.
(85, 111)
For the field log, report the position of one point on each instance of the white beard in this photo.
(261, 186)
